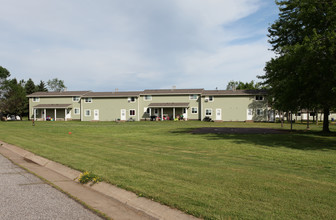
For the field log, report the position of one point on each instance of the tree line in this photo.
(13, 92)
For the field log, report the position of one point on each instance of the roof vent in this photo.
(173, 87)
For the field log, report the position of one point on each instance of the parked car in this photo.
(13, 118)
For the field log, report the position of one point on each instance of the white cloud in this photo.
(101, 45)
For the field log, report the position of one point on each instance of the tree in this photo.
(4, 74)
(14, 100)
(56, 85)
(238, 85)
(303, 73)
(30, 87)
(41, 87)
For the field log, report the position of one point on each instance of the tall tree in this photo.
(303, 74)
(4, 74)
(56, 85)
(30, 87)
(14, 100)
(41, 87)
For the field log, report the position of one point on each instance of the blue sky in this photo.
(102, 45)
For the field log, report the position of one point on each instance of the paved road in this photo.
(24, 196)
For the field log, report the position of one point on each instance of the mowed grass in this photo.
(212, 176)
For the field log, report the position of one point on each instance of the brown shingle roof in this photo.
(171, 91)
(111, 94)
(170, 105)
(51, 94)
(233, 93)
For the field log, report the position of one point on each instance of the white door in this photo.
(68, 115)
(96, 114)
(249, 116)
(185, 114)
(218, 114)
(123, 115)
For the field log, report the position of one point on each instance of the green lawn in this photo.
(213, 176)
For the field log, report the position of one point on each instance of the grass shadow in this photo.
(296, 139)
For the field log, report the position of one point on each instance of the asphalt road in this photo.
(24, 196)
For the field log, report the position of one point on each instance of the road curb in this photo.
(148, 207)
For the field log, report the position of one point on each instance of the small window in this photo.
(312, 114)
(147, 97)
(193, 97)
(75, 99)
(211, 98)
(88, 100)
(156, 111)
(194, 110)
(259, 98)
(208, 112)
(132, 112)
(131, 99)
(260, 112)
(299, 114)
(36, 99)
(76, 111)
(87, 112)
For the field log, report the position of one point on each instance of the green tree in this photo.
(56, 85)
(14, 100)
(41, 87)
(238, 85)
(30, 87)
(303, 73)
(4, 74)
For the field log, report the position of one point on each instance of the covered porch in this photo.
(169, 111)
(52, 112)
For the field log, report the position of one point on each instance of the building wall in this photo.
(234, 108)
(169, 99)
(109, 108)
(54, 100)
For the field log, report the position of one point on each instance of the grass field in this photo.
(212, 176)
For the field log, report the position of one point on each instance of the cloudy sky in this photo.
(101, 45)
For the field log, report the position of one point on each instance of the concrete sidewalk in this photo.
(110, 200)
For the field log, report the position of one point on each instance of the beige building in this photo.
(161, 104)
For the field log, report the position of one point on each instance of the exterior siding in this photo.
(235, 108)
(109, 108)
(170, 99)
(54, 100)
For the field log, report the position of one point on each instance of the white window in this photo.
(36, 99)
(132, 112)
(87, 112)
(194, 110)
(259, 98)
(193, 97)
(76, 111)
(88, 100)
(131, 99)
(211, 98)
(75, 98)
(260, 112)
(208, 112)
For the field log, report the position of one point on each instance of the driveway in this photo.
(24, 196)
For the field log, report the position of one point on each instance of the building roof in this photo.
(233, 93)
(169, 105)
(171, 91)
(53, 106)
(111, 94)
(64, 93)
